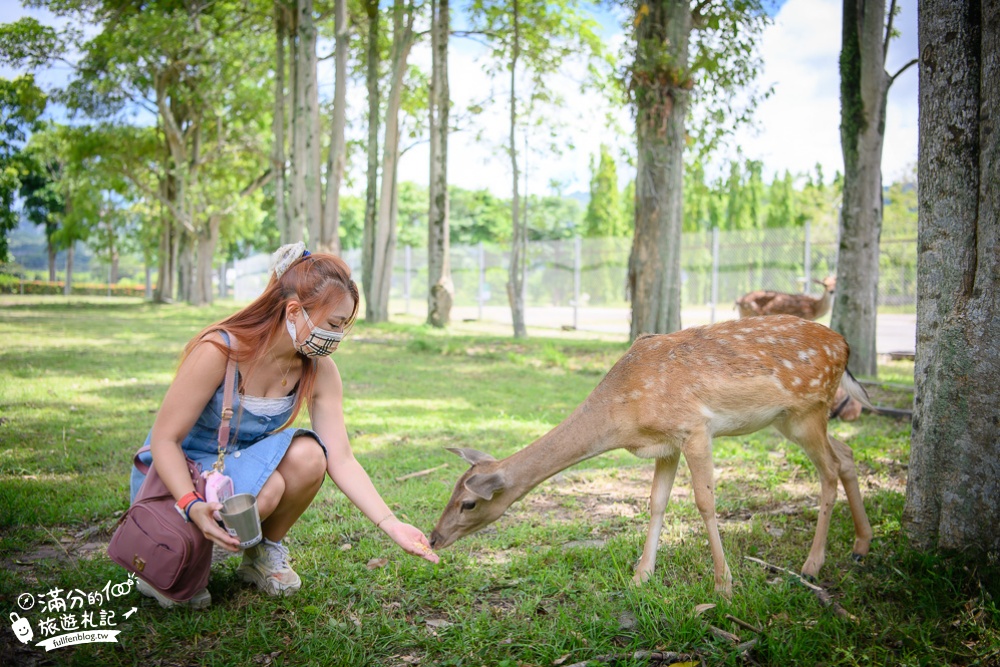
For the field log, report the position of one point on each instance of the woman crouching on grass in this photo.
(282, 345)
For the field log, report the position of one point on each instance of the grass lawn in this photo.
(547, 584)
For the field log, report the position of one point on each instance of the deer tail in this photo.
(854, 389)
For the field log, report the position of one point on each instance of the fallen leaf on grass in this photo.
(438, 623)
(345, 547)
(559, 661)
(376, 563)
(702, 608)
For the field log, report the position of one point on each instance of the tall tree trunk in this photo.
(662, 82)
(207, 240)
(515, 276)
(300, 120)
(953, 490)
(51, 249)
(167, 270)
(384, 238)
(863, 87)
(278, 121)
(330, 235)
(313, 161)
(68, 285)
(440, 289)
(371, 193)
(186, 267)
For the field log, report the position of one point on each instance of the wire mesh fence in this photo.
(582, 282)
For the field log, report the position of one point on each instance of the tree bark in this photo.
(953, 490)
(313, 161)
(167, 269)
(300, 121)
(384, 238)
(371, 193)
(515, 277)
(330, 234)
(440, 288)
(864, 84)
(68, 285)
(662, 99)
(278, 123)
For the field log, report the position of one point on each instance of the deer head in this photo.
(478, 499)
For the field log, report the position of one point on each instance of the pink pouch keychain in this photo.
(218, 487)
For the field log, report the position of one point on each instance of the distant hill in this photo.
(28, 249)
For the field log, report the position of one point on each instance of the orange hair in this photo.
(316, 281)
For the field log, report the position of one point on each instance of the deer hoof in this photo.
(858, 558)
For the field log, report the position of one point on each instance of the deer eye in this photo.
(468, 505)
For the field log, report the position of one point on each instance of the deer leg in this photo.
(663, 482)
(698, 454)
(849, 478)
(810, 433)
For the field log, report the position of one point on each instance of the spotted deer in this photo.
(765, 302)
(670, 395)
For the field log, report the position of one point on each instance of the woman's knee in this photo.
(304, 461)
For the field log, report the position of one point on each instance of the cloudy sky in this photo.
(796, 128)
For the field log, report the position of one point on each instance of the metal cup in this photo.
(240, 515)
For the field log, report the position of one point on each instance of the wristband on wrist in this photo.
(187, 510)
(390, 515)
(183, 505)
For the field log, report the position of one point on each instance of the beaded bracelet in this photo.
(384, 519)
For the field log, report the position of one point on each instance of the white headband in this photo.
(285, 255)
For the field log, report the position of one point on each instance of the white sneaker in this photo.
(200, 600)
(266, 565)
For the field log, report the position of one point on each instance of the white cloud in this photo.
(798, 126)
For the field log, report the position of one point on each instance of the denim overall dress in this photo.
(254, 450)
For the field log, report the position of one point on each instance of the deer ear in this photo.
(485, 485)
(471, 456)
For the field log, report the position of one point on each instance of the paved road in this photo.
(894, 333)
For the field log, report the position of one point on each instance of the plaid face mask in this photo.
(319, 343)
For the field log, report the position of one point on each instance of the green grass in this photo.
(80, 381)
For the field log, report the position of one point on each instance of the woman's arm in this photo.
(327, 415)
(197, 379)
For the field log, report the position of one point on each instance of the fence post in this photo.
(807, 259)
(482, 279)
(407, 258)
(577, 247)
(715, 271)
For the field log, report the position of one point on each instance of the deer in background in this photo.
(670, 395)
(764, 302)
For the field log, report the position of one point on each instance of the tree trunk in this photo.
(186, 268)
(440, 289)
(149, 280)
(371, 193)
(330, 235)
(68, 285)
(953, 490)
(384, 237)
(515, 276)
(168, 247)
(863, 87)
(51, 248)
(300, 120)
(662, 99)
(313, 162)
(278, 122)
(207, 240)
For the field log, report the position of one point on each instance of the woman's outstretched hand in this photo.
(410, 538)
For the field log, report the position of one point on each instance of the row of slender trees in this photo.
(195, 70)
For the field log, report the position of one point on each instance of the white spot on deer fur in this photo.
(739, 337)
(796, 381)
(813, 383)
(805, 354)
(787, 363)
(827, 350)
